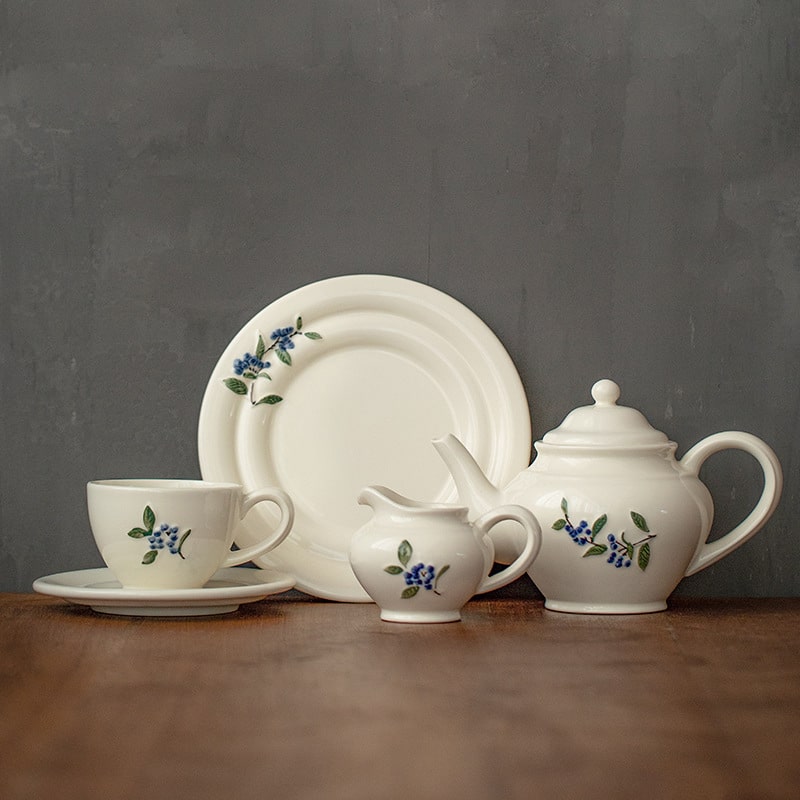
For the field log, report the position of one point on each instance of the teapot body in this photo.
(618, 533)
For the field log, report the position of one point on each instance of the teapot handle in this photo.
(709, 552)
(530, 551)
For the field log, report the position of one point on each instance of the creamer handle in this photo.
(523, 561)
(710, 552)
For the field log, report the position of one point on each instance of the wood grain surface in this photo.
(298, 698)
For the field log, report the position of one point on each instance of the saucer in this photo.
(342, 384)
(227, 589)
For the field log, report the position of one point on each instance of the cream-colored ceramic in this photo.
(175, 534)
(224, 592)
(624, 520)
(421, 562)
(342, 384)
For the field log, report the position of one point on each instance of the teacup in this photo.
(175, 534)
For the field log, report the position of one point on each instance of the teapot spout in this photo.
(474, 488)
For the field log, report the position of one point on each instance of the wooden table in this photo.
(298, 698)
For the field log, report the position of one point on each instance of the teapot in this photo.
(624, 520)
(421, 562)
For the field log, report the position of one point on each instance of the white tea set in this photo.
(367, 438)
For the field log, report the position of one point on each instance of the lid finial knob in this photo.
(605, 393)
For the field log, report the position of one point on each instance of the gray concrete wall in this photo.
(613, 185)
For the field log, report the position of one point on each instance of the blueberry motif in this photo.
(419, 576)
(158, 538)
(252, 366)
(620, 551)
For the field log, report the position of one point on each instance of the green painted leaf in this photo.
(410, 592)
(404, 552)
(439, 575)
(270, 400)
(559, 525)
(599, 524)
(639, 522)
(393, 570)
(564, 504)
(629, 550)
(299, 323)
(138, 533)
(149, 518)
(312, 335)
(235, 385)
(596, 550)
(149, 556)
(264, 374)
(261, 348)
(644, 556)
(284, 357)
(180, 543)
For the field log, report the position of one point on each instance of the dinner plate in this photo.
(224, 592)
(342, 384)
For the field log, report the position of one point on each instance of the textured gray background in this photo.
(613, 186)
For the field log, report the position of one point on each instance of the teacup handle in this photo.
(284, 503)
(523, 561)
(709, 552)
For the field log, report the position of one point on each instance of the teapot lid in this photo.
(605, 424)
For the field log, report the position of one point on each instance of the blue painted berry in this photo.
(421, 575)
(283, 338)
(249, 365)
